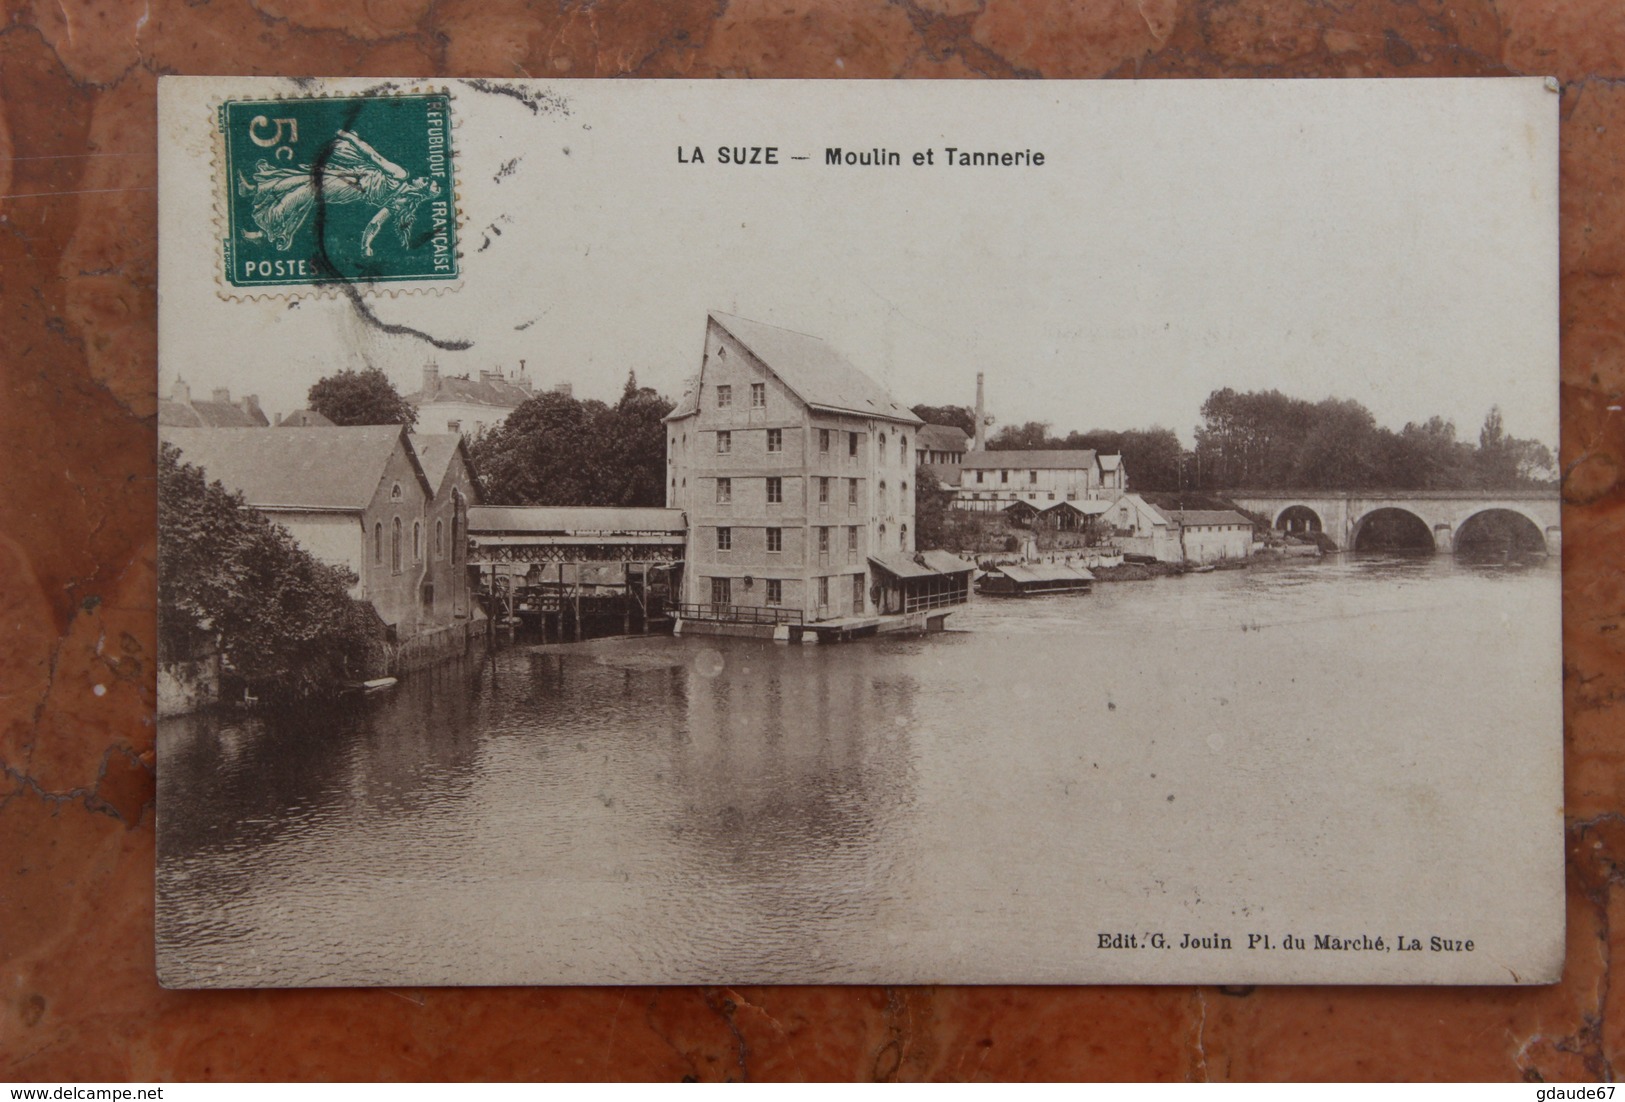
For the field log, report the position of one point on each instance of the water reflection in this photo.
(966, 805)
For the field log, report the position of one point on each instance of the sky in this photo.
(1393, 242)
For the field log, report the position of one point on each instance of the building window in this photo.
(725, 396)
(758, 396)
(428, 597)
(823, 592)
(395, 492)
(979, 475)
(1032, 478)
(454, 426)
(902, 538)
(882, 531)
(902, 450)
(852, 538)
(775, 591)
(903, 489)
(395, 546)
(725, 491)
(775, 491)
(721, 591)
(823, 541)
(852, 491)
(725, 441)
(1004, 476)
(439, 539)
(823, 491)
(674, 445)
(725, 539)
(1052, 497)
(378, 543)
(883, 447)
(823, 441)
(417, 541)
(775, 539)
(775, 440)
(852, 444)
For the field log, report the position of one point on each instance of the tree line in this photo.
(1269, 440)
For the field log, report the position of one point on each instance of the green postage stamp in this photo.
(341, 189)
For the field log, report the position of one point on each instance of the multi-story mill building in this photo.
(796, 471)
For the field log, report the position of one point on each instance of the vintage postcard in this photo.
(864, 532)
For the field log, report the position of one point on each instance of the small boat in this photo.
(1034, 580)
(1205, 569)
(378, 684)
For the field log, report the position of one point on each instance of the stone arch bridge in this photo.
(1341, 514)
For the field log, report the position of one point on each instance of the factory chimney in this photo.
(981, 418)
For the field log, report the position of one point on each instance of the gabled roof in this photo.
(942, 438)
(816, 372)
(1067, 459)
(1110, 462)
(435, 451)
(334, 469)
(220, 415)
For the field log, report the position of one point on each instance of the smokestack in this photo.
(222, 394)
(181, 393)
(981, 417)
(431, 379)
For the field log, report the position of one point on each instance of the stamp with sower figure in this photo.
(344, 189)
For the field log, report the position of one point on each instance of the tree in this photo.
(557, 450)
(361, 398)
(932, 510)
(284, 622)
(1032, 436)
(960, 417)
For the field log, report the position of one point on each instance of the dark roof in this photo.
(487, 390)
(922, 564)
(1048, 459)
(571, 519)
(304, 419)
(942, 438)
(207, 415)
(323, 469)
(1189, 517)
(435, 450)
(816, 372)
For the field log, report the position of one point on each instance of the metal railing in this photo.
(738, 614)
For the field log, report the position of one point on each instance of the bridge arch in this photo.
(1501, 527)
(1299, 520)
(1391, 528)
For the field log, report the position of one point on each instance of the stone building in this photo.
(181, 411)
(990, 481)
(357, 497)
(467, 404)
(796, 471)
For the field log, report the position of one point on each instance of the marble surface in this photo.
(78, 1000)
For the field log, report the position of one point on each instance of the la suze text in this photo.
(876, 157)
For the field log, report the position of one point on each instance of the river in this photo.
(1346, 743)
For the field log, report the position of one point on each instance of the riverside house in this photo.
(362, 498)
(796, 471)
